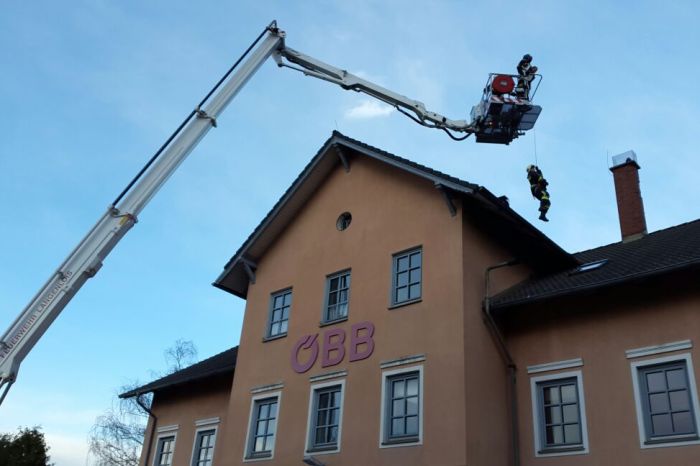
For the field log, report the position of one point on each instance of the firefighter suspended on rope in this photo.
(538, 187)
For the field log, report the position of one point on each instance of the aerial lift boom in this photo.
(86, 259)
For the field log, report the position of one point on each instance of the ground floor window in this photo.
(263, 427)
(165, 450)
(402, 400)
(325, 417)
(559, 419)
(666, 397)
(203, 453)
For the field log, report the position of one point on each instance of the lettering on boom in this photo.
(34, 316)
(333, 351)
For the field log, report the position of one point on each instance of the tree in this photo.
(182, 354)
(116, 438)
(25, 448)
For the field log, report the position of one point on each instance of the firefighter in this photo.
(524, 64)
(526, 74)
(538, 187)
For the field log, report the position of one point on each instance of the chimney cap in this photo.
(624, 159)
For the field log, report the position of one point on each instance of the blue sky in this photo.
(90, 89)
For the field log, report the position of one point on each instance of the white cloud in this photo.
(368, 109)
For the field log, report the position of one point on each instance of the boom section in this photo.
(86, 259)
(318, 69)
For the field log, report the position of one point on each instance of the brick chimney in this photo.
(630, 208)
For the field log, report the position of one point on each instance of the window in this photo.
(164, 451)
(263, 426)
(559, 416)
(402, 407)
(588, 266)
(667, 406)
(325, 413)
(406, 277)
(204, 448)
(337, 297)
(280, 303)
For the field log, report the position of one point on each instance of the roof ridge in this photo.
(648, 235)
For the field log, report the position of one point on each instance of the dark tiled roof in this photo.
(660, 252)
(216, 365)
(494, 213)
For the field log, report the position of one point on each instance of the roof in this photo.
(218, 364)
(661, 252)
(500, 221)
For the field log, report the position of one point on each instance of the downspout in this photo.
(153, 427)
(507, 358)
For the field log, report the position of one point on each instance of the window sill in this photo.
(326, 323)
(405, 303)
(329, 448)
(275, 337)
(258, 456)
(401, 441)
(556, 450)
(671, 439)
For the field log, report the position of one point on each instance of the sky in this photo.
(90, 89)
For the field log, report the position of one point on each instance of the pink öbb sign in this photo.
(332, 347)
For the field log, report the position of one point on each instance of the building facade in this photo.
(398, 315)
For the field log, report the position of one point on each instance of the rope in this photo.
(534, 138)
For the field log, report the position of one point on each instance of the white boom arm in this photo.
(86, 259)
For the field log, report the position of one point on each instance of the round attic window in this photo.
(343, 221)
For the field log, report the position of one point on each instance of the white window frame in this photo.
(692, 388)
(163, 432)
(310, 420)
(202, 426)
(383, 434)
(537, 420)
(247, 449)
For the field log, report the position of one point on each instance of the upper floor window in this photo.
(263, 427)
(204, 448)
(559, 416)
(406, 276)
(666, 401)
(164, 451)
(337, 297)
(280, 303)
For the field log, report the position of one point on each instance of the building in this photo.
(398, 315)
(187, 406)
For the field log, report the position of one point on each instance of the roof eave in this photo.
(579, 290)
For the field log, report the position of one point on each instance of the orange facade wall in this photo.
(391, 211)
(599, 329)
(487, 394)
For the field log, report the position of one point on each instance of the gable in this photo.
(341, 151)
